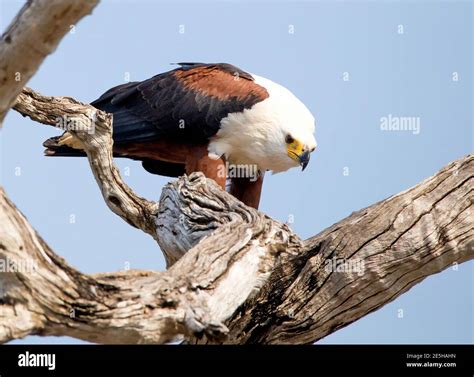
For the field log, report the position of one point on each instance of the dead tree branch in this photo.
(41, 294)
(242, 277)
(34, 34)
(94, 129)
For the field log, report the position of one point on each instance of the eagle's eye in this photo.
(289, 139)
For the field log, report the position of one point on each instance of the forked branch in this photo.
(241, 276)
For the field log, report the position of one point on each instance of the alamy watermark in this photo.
(249, 171)
(79, 123)
(398, 123)
(346, 266)
(46, 360)
(23, 266)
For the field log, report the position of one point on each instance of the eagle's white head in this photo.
(275, 134)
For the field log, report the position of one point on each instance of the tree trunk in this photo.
(34, 34)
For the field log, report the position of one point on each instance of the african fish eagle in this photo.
(198, 116)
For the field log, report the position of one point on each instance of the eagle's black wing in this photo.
(185, 104)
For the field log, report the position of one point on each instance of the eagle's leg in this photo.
(247, 190)
(198, 160)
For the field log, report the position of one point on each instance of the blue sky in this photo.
(351, 63)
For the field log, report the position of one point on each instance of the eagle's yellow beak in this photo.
(298, 152)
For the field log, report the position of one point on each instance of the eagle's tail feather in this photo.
(60, 146)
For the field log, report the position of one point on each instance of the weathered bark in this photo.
(94, 129)
(248, 274)
(33, 35)
(43, 295)
(398, 242)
